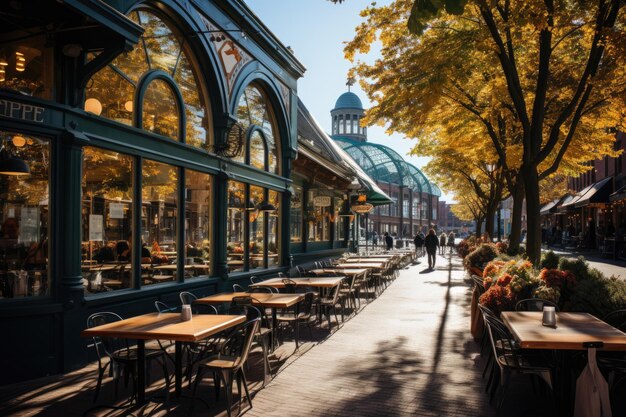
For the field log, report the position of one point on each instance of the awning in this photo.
(618, 195)
(598, 193)
(568, 203)
(550, 207)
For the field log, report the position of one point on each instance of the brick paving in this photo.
(407, 353)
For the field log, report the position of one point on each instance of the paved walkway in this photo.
(407, 353)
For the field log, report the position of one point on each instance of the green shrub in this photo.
(579, 267)
(599, 295)
(481, 256)
(550, 260)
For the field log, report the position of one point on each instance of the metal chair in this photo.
(188, 298)
(238, 288)
(303, 316)
(534, 304)
(228, 364)
(120, 355)
(329, 304)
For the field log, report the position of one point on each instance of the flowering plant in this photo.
(553, 278)
(498, 299)
(481, 256)
(493, 268)
(502, 247)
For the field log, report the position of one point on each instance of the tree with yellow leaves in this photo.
(543, 79)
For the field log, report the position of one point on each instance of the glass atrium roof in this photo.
(386, 165)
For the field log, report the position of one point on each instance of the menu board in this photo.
(95, 227)
(29, 225)
(116, 210)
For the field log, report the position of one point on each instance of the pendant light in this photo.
(10, 165)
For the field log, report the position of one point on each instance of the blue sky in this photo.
(316, 31)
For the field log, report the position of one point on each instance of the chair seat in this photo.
(301, 316)
(526, 364)
(131, 354)
(220, 362)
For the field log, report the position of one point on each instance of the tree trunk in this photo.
(479, 226)
(489, 219)
(533, 236)
(517, 194)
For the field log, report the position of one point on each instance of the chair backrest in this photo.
(187, 298)
(478, 283)
(255, 280)
(243, 305)
(534, 304)
(161, 307)
(301, 271)
(290, 286)
(503, 345)
(252, 290)
(307, 303)
(239, 342)
(106, 346)
(238, 288)
(617, 319)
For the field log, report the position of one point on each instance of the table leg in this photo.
(297, 324)
(141, 372)
(178, 365)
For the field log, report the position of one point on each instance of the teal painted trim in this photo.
(108, 17)
(180, 225)
(258, 75)
(143, 84)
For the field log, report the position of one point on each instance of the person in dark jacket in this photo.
(419, 242)
(388, 241)
(431, 242)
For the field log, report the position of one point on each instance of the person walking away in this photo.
(388, 241)
(419, 243)
(374, 238)
(442, 243)
(431, 242)
(423, 236)
(451, 241)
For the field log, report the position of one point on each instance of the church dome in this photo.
(348, 100)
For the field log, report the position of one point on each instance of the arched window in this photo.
(255, 114)
(111, 92)
(341, 125)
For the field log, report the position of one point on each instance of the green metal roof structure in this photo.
(384, 164)
(348, 100)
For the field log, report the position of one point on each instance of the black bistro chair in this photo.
(121, 356)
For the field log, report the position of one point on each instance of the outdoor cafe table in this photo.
(163, 326)
(323, 282)
(572, 332)
(264, 300)
(353, 265)
(348, 272)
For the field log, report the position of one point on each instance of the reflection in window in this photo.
(339, 221)
(257, 150)
(235, 241)
(272, 229)
(24, 202)
(253, 109)
(26, 65)
(110, 92)
(318, 219)
(160, 112)
(158, 221)
(295, 228)
(197, 221)
(256, 229)
(252, 233)
(107, 206)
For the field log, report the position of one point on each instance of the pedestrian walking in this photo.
(442, 243)
(388, 241)
(451, 238)
(419, 243)
(431, 242)
(374, 238)
(423, 240)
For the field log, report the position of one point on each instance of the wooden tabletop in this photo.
(323, 282)
(166, 326)
(361, 265)
(261, 299)
(571, 331)
(368, 260)
(349, 272)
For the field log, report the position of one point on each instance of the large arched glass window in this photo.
(110, 93)
(254, 111)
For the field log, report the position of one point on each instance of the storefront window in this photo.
(252, 229)
(158, 222)
(257, 150)
(253, 109)
(339, 221)
(197, 221)
(111, 91)
(24, 202)
(256, 229)
(26, 65)
(235, 226)
(160, 112)
(272, 228)
(318, 219)
(295, 227)
(107, 207)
